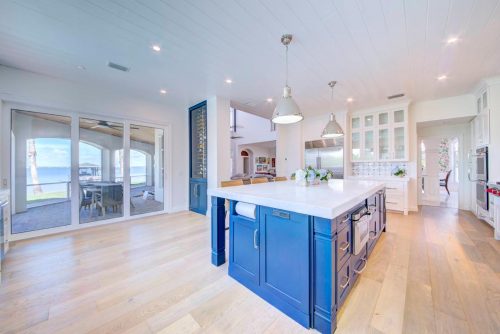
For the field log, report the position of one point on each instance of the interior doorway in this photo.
(442, 163)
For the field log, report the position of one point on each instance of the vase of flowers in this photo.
(399, 171)
(310, 176)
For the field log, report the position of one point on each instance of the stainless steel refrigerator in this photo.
(326, 154)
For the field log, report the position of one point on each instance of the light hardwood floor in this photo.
(437, 271)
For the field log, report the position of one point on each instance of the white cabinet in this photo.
(482, 120)
(380, 135)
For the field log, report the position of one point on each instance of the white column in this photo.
(289, 149)
(219, 143)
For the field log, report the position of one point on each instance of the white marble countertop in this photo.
(327, 200)
(380, 178)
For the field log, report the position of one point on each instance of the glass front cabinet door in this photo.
(380, 136)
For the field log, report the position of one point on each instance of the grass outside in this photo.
(45, 196)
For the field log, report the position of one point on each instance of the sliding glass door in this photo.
(68, 170)
(146, 169)
(40, 171)
(100, 171)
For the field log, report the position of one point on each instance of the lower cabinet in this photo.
(271, 256)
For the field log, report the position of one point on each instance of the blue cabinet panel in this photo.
(285, 256)
(244, 248)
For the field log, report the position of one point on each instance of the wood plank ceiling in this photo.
(372, 48)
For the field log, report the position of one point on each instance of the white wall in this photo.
(31, 89)
(494, 147)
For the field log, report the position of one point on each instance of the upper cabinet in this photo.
(380, 135)
(481, 122)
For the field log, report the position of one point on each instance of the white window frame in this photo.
(6, 125)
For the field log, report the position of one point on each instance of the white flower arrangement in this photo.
(311, 176)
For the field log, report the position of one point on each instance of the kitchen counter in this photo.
(327, 200)
(299, 248)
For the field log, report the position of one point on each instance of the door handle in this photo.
(255, 239)
(374, 236)
(343, 286)
(345, 247)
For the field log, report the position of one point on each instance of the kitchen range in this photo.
(301, 248)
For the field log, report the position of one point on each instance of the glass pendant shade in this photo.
(287, 111)
(332, 129)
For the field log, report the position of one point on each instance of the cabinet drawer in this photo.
(343, 283)
(358, 263)
(394, 187)
(343, 245)
(343, 221)
(394, 202)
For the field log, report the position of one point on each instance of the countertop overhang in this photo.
(326, 200)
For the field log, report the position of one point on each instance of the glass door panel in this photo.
(399, 116)
(41, 171)
(383, 144)
(368, 151)
(399, 143)
(355, 123)
(369, 121)
(356, 146)
(146, 169)
(383, 118)
(101, 170)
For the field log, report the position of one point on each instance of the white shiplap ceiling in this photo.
(372, 48)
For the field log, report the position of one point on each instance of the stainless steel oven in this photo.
(482, 199)
(482, 164)
(360, 228)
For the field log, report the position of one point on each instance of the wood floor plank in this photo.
(435, 271)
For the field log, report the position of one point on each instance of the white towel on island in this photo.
(245, 209)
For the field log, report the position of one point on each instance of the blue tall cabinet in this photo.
(198, 158)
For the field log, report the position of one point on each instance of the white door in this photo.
(430, 171)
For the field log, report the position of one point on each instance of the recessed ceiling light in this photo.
(350, 99)
(163, 91)
(442, 77)
(269, 100)
(452, 40)
(156, 48)
(81, 67)
(229, 81)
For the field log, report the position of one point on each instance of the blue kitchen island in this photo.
(299, 248)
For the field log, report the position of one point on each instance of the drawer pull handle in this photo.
(374, 235)
(362, 269)
(281, 214)
(391, 188)
(391, 202)
(343, 286)
(255, 239)
(345, 247)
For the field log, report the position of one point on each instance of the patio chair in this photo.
(111, 196)
(85, 199)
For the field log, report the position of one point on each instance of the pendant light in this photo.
(287, 111)
(332, 128)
